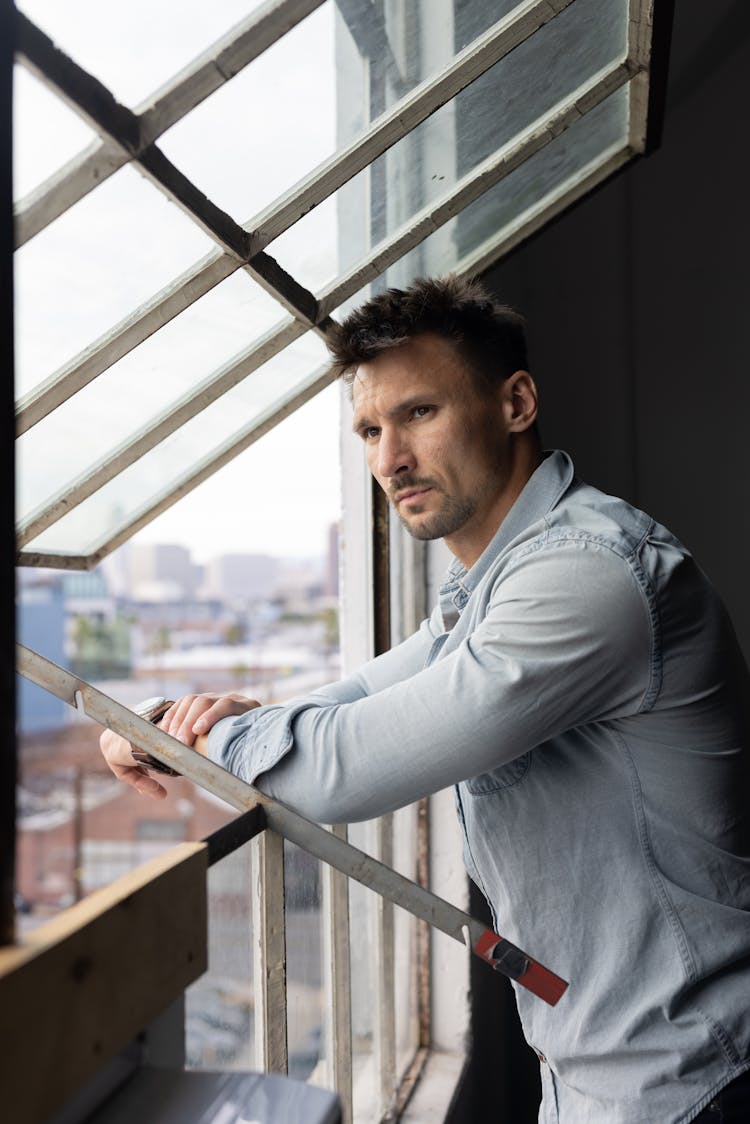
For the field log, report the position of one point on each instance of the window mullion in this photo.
(385, 1010)
(337, 1012)
(269, 948)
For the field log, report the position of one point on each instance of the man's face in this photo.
(437, 446)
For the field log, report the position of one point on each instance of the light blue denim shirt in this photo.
(582, 688)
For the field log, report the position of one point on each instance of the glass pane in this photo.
(589, 143)
(91, 267)
(303, 964)
(133, 490)
(156, 375)
(259, 133)
(46, 132)
(219, 1006)
(536, 76)
(134, 48)
(473, 17)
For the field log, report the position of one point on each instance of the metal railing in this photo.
(261, 813)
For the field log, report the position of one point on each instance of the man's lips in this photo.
(411, 495)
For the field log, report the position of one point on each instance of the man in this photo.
(580, 685)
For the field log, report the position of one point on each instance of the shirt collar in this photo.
(542, 492)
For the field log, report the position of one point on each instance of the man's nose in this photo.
(394, 453)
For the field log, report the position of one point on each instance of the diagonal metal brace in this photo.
(500, 953)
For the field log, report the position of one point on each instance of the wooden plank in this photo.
(78, 989)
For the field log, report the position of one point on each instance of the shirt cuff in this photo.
(252, 743)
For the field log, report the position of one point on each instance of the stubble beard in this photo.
(451, 516)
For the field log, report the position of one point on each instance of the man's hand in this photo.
(188, 719)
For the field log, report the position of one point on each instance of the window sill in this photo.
(437, 1086)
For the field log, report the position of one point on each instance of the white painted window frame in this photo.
(133, 135)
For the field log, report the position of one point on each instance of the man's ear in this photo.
(521, 401)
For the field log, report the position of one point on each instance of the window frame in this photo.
(243, 247)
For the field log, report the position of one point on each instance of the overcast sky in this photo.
(115, 249)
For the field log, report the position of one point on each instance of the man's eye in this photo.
(370, 432)
(421, 411)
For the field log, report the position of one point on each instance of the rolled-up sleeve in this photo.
(567, 639)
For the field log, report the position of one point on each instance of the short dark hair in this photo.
(490, 337)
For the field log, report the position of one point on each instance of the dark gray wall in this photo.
(638, 307)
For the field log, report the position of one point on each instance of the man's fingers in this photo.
(224, 707)
(140, 780)
(174, 720)
(117, 752)
(196, 714)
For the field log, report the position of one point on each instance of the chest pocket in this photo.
(502, 777)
